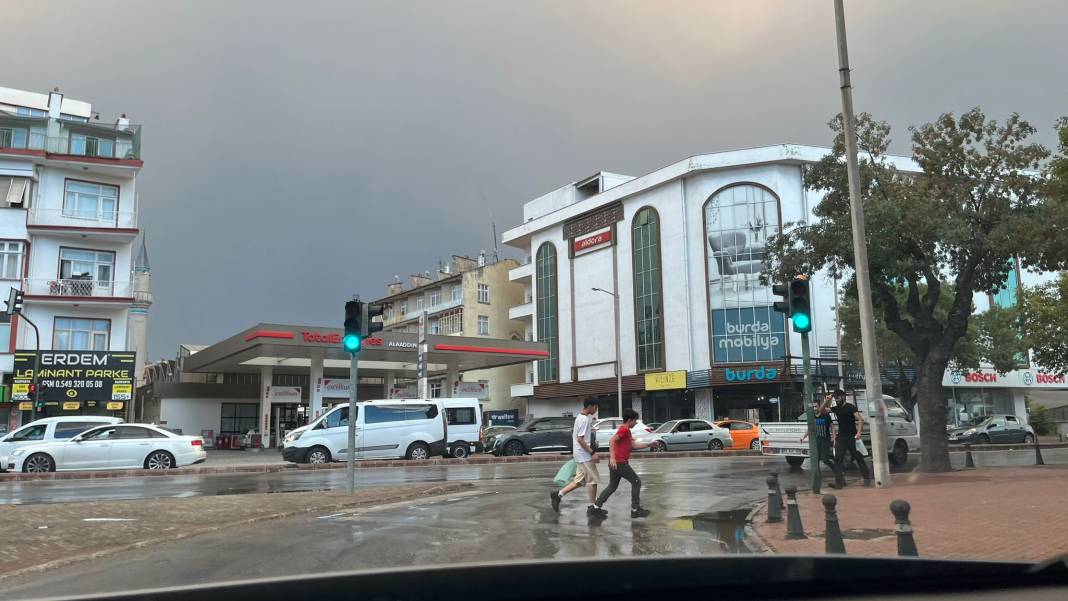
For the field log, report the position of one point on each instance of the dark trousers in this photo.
(823, 445)
(848, 445)
(624, 471)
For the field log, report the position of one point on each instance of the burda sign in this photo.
(747, 335)
(760, 374)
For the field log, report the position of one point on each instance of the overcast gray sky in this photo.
(297, 152)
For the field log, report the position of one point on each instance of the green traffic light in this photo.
(351, 343)
(802, 322)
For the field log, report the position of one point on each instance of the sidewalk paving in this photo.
(1009, 514)
(43, 537)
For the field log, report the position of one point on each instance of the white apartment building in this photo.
(69, 240)
(674, 258)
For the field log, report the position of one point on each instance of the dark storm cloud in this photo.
(296, 152)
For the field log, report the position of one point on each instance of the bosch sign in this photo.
(981, 377)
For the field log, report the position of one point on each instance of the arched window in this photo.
(548, 331)
(739, 220)
(648, 306)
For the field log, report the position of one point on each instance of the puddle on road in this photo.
(726, 527)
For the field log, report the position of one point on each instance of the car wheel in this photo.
(983, 439)
(418, 451)
(900, 454)
(715, 445)
(658, 446)
(318, 455)
(160, 460)
(755, 445)
(460, 450)
(38, 463)
(1028, 438)
(795, 462)
(514, 448)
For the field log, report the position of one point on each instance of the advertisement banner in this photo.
(476, 390)
(335, 388)
(505, 417)
(69, 376)
(665, 380)
(284, 394)
(748, 335)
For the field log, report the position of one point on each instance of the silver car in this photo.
(687, 435)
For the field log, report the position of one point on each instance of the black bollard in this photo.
(774, 512)
(794, 529)
(906, 544)
(778, 491)
(968, 461)
(1038, 452)
(832, 541)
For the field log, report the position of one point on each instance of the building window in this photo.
(13, 137)
(483, 325)
(452, 322)
(403, 308)
(648, 306)
(5, 334)
(83, 200)
(74, 334)
(435, 298)
(483, 293)
(435, 389)
(92, 146)
(419, 304)
(238, 418)
(84, 272)
(23, 111)
(738, 222)
(545, 268)
(456, 294)
(11, 260)
(434, 328)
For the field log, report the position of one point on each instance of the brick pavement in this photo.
(41, 537)
(1013, 513)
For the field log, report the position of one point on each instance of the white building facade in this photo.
(69, 238)
(675, 257)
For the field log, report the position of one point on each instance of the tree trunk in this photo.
(931, 400)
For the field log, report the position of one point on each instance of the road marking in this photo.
(109, 519)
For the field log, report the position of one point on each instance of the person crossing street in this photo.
(585, 457)
(619, 448)
(850, 428)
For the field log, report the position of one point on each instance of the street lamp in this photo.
(619, 366)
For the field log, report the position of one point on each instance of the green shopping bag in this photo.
(566, 473)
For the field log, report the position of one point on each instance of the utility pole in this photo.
(838, 338)
(350, 463)
(872, 381)
(810, 415)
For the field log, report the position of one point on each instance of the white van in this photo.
(385, 429)
(51, 429)
(464, 417)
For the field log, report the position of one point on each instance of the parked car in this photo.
(385, 429)
(687, 435)
(464, 417)
(655, 425)
(745, 435)
(50, 429)
(603, 429)
(993, 429)
(291, 436)
(490, 434)
(534, 435)
(112, 446)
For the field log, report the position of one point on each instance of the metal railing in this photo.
(89, 140)
(76, 287)
(97, 217)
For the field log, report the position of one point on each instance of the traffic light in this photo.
(800, 308)
(371, 310)
(782, 306)
(354, 311)
(14, 301)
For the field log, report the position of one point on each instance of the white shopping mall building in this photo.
(674, 258)
(70, 240)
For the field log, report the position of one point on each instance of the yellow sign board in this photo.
(114, 406)
(25, 406)
(665, 380)
(20, 390)
(72, 406)
(122, 392)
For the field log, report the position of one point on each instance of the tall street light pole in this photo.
(872, 380)
(619, 366)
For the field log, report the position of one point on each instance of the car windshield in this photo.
(553, 214)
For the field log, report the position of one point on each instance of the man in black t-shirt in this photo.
(823, 441)
(850, 427)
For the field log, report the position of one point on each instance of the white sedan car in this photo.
(118, 446)
(687, 435)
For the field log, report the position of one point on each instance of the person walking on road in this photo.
(823, 440)
(585, 461)
(619, 448)
(850, 427)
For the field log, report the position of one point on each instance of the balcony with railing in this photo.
(76, 290)
(79, 221)
(24, 135)
(523, 273)
(524, 311)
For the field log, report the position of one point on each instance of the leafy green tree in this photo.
(958, 220)
(1044, 319)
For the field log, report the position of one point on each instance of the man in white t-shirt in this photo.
(585, 460)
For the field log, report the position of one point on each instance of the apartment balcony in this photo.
(101, 224)
(523, 273)
(64, 140)
(77, 290)
(524, 389)
(523, 312)
(438, 308)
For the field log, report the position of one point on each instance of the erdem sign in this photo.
(760, 374)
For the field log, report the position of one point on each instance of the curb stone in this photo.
(440, 490)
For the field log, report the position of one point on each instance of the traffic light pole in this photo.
(36, 357)
(872, 379)
(810, 415)
(350, 463)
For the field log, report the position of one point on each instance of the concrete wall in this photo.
(503, 295)
(192, 415)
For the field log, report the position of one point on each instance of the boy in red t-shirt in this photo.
(619, 448)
